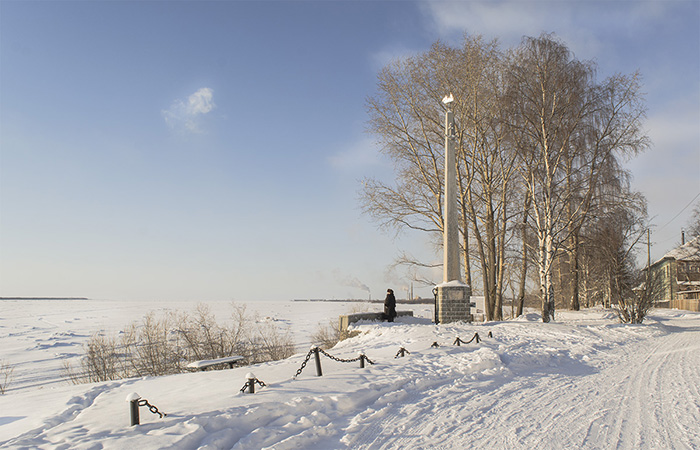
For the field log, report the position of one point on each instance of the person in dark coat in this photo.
(390, 305)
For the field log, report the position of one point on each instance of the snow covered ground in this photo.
(584, 381)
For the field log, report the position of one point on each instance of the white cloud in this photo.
(510, 21)
(507, 20)
(186, 115)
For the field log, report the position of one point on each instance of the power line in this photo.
(681, 212)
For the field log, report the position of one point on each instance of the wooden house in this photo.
(679, 272)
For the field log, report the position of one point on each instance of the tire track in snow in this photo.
(643, 407)
(640, 393)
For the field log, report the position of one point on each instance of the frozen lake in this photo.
(39, 335)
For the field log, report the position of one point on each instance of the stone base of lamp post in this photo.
(453, 302)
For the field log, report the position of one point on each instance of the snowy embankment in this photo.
(581, 382)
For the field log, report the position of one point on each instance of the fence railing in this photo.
(688, 304)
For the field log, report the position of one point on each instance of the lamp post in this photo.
(452, 295)
(451, 230)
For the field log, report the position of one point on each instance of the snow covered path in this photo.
(642, 396)
(584, 381)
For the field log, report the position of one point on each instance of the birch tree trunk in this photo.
(524, 253)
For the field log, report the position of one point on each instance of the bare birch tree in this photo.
(549, 103)
(612, 131)
(572, 130)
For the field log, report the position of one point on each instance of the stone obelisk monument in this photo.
(452, 294)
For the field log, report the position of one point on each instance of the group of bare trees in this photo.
(539, 141)
(165, 344)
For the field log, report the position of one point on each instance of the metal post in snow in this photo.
(318, 362)
(251, 383)
(133, 400)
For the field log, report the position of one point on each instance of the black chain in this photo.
(339, 359)
(476, 336)
(345, 360)
(152, 408)
(303, 365)
(254, 380)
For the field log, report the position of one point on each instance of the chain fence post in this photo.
(318, 362)
(251, 382)
(362, 360)
(133, 400)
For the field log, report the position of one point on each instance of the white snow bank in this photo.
(581, 382)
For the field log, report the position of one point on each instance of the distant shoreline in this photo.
(44, 298)
(418, 301)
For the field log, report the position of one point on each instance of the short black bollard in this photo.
(490, 334)
(458, 341)
(435, 344)
(318, 362)
(362, 360)
(133, 400)
(251, 383)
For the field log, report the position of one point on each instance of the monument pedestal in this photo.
(453, 302)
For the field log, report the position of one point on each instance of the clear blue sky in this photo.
(213, 150)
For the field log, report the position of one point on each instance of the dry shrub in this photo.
(326, 335)
(271, 343)
(329, 334)
(633, 304)
(163, 345)
(5, 376)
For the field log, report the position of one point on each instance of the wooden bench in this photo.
(206, 363)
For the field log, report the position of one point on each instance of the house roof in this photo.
(688, 252)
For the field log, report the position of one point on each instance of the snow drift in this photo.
(581, 382)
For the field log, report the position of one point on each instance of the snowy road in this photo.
(643, 396)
